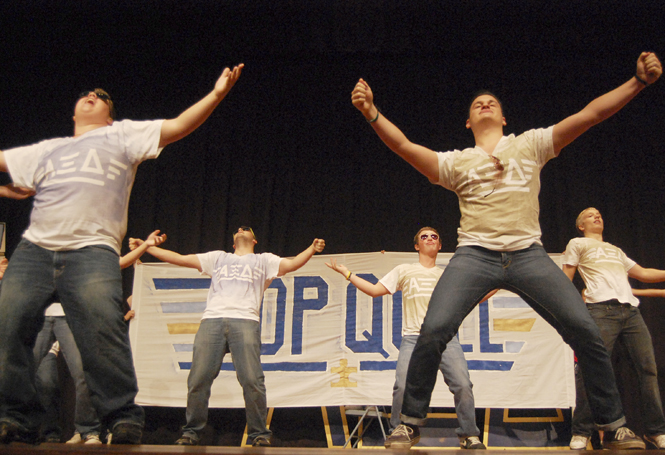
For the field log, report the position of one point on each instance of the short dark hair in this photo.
(484, 92)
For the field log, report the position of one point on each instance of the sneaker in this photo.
(9, 431)
(471, 442)
(186, 441)
(579, 442)
(126, 433)
(76, 439)
(92, 439)
(403, 437)
(657, 440)
(622, 439)
(261, 441)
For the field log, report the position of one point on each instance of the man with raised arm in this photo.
(231, 323)
(71, 248)
(416, 281)
(497, 184)
(605, 269)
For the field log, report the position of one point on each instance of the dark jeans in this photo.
(624, 322)
(530, 273)
(214, 339)
(88, 284)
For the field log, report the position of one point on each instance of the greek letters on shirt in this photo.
(238, 272)
(484, 178)
(419, 287)
(85, 167)
(600, 254)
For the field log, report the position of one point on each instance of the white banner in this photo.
(327, 344)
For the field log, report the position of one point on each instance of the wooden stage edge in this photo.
(68, 449)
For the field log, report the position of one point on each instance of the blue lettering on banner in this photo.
(374, 340)
(300, 305)
(280, 316)
(163, 284)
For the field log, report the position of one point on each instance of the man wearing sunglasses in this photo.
(416, 281)
(71, 248)
(609, 298)
(497, 184)
(231, 323)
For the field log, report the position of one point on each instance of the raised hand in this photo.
(318, 245)
(339, 268)
(363, 99)
(649, 67)
(154, 239)
(228, 79)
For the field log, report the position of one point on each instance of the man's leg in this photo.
(405, 350)
(456, 374)
(608, 320)
(27, 287)
(48, 387)
(89, 285)
(85, 416)
(470, 275)
(210, 346)
(542, 284)
(637, 340)
(245, 346)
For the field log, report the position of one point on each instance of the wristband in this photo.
(348, 277)
(641, 80)
(377, 116)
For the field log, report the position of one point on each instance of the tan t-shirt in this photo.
(499, 208)
(416, 283)
(604, 269)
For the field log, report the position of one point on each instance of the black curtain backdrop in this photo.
(288, 154)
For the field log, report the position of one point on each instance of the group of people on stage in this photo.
(70, 252)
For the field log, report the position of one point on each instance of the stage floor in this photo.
(69, 449)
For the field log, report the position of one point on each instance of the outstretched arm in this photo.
(190, 260)
(179, 127)
(646, 275)
(423, 159)
(649, 292)
(139, 248)
(15, 192)
(648, 70)
(293, 264)
(373, 290)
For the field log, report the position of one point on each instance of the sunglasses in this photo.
(246, 228)
(102, 96)
(433, 236)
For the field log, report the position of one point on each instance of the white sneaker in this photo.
(579, 442)
(657, 440)
(92, 439)
(76, 439)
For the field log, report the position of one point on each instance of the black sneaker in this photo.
(622, 439)
(126, 433)
(186, 441)
(403, 437)
(471, 442)
(9, 432)
(261, 441)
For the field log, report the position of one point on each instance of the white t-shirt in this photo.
(83, 183)
(604, 269)
(416, 283)
(499, 208)
(238, 283)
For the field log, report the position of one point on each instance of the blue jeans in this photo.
(530, 273)
(88, 284)
(46, 382)
(455, 372)
(216, 337)
(624, 322)
(56, 328)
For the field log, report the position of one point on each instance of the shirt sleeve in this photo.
(391, 280)
(572, 254)
(543, 144)
(22, 164)
(208, 260)
(446, 169)
(141, 139)
(627, 262)
(272, 265)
